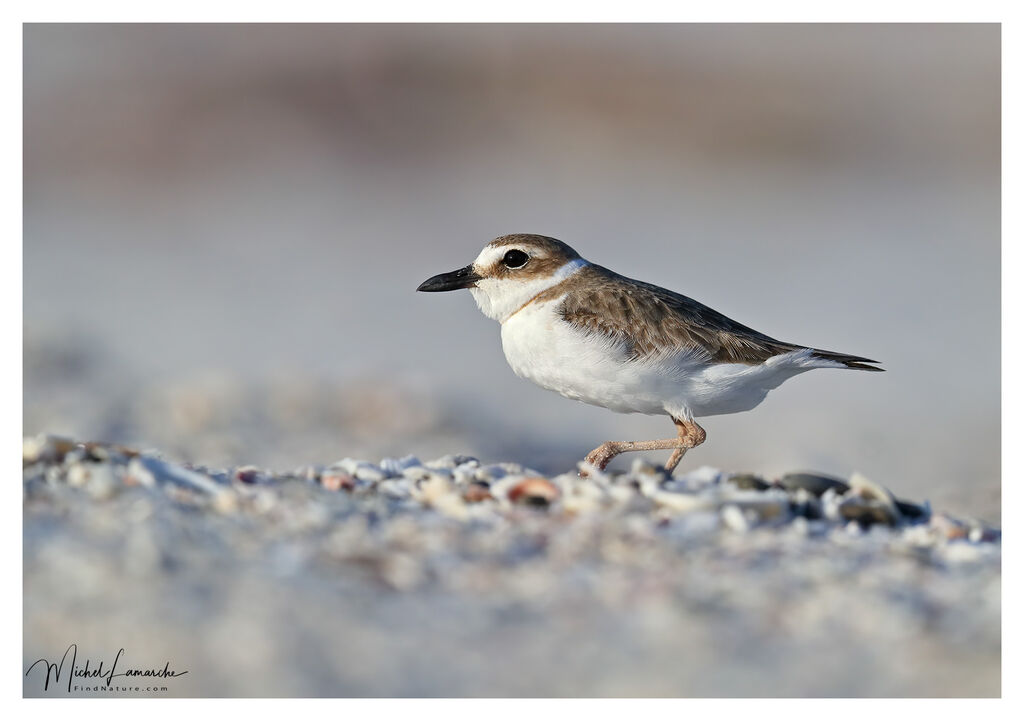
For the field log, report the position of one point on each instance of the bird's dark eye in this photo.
(515, 259)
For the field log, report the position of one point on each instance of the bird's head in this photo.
(509, 272)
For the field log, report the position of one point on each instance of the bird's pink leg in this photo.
(690, 436)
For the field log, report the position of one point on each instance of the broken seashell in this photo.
(534, 492)
(477, 492)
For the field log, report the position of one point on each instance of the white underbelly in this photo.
(541, 347)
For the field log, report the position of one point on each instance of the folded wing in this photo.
(652, 322)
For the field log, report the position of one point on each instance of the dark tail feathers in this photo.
(850, 361)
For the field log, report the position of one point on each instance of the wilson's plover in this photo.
(595, 336)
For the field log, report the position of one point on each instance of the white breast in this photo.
(500, 298)
(542, 347)
(545, 349)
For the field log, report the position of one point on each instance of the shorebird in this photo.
(595, 336)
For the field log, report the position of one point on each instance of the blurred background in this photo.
(225, 224)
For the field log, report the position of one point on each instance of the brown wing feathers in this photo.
(651, 319)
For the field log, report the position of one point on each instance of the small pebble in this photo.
(103, 482)
(369, 472)
(225, 502)
(948, 527)
(748, 482)
(476, 493)
(735, 519)
(641, 467)
(337, 481)
(246, 474)
(684, 502)
(813, 483)
(390, 467)
(867, 512)
(416, 473)
(395, 488)
(45, 448)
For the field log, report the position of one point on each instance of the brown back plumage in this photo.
(652, 321)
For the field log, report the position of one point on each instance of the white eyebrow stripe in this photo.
(489, 255)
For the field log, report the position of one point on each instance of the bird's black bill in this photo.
(461, 278)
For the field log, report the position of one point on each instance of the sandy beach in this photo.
(456, 578)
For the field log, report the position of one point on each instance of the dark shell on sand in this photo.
(814, 483)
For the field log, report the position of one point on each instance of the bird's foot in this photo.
(600, 457)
